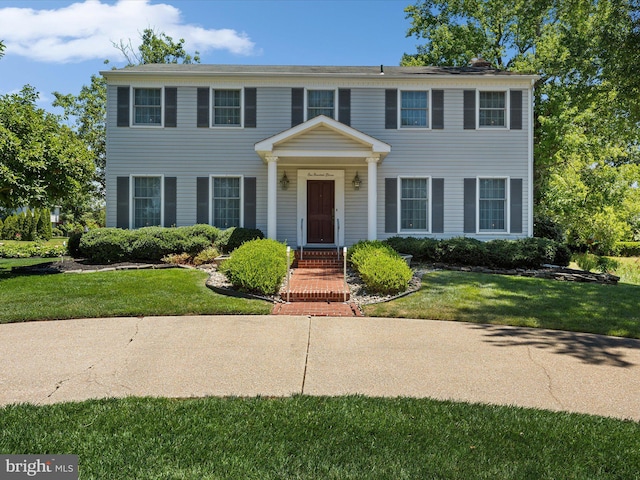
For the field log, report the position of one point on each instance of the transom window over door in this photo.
(226, 202)
(147, 201)
(320, 102)
(492, 109)
(227, 108)
(414, 109)
(414, 202)
(492, 204)
(147, 106)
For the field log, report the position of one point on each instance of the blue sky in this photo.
(58, 45)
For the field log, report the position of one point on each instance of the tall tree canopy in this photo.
(42, 161)
(586, 109)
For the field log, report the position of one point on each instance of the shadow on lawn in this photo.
(589, 348)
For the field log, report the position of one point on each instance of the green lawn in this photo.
(520, 301)
(322, 438)
(118, 293)
(53, 241)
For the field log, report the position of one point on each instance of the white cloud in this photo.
(84, 31)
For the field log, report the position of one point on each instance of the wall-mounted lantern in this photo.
(356, 182)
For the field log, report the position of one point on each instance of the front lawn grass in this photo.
(520, 301)
(322, 438)
(114, 294)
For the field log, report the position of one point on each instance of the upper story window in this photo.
(320, 102)
(227, 108)
(492, 108)
(147, 106)
(492, 204)
(414, 109)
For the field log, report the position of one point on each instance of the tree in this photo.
(585, 126)
(2, 47)
(156, 48)
(41, 161)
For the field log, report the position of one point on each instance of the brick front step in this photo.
(319, 262)
(315, 296)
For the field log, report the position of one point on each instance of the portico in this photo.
(320, 150)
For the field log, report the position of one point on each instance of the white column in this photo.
(272, 197)
(372, 198)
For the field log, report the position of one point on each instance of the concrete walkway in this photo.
(48, 362)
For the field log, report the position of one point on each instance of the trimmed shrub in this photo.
(257, 266)
(627, 249)
(359, 251)
(32, 250)
(231, 238)
(384, 273)
(422, 249)
(106, 245)
(462, 251)
(202, 230)
(74, 244)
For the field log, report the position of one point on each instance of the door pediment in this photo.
(322, 137)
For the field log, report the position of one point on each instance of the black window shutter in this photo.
(516, 110)
(391, 205)
(469, 108)
(391, 109)
(516, 205)
(344, 106)
(202, 200)
(170, 106)
(169, 201)
(250, 202)
(437, 205)
(123, 107)
(122, 202)
(437, 109)
(297, 106)
(203, 107)
(250, 107)
(469, 205)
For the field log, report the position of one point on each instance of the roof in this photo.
(308, 70)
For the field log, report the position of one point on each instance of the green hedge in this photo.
(257, 266)
(381, 268)
(32, 250)
(520, 253)
(627, 249)
(110, 245)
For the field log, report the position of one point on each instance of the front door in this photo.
(320, 208)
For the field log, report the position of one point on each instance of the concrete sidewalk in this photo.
(48, 362)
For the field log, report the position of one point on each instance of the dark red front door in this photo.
(320, 205)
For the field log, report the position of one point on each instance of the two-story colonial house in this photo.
(322, 156)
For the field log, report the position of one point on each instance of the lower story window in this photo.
(226, 202)
(414, 200)
(492, 204)
(147, 201)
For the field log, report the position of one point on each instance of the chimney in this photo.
(480, 62)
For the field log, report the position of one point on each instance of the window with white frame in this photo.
(226, 202)
(492, 208)
(414, 109)
(492, 109)
(227, 108)
(320, 102)
(147, 201)
(147, 106)
(414, 204)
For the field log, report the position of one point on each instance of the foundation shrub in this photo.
(422, 249)
(384, 273)
(231, 238)
(359, 251)
(257, 266)
(462, 251)
(106, 245)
